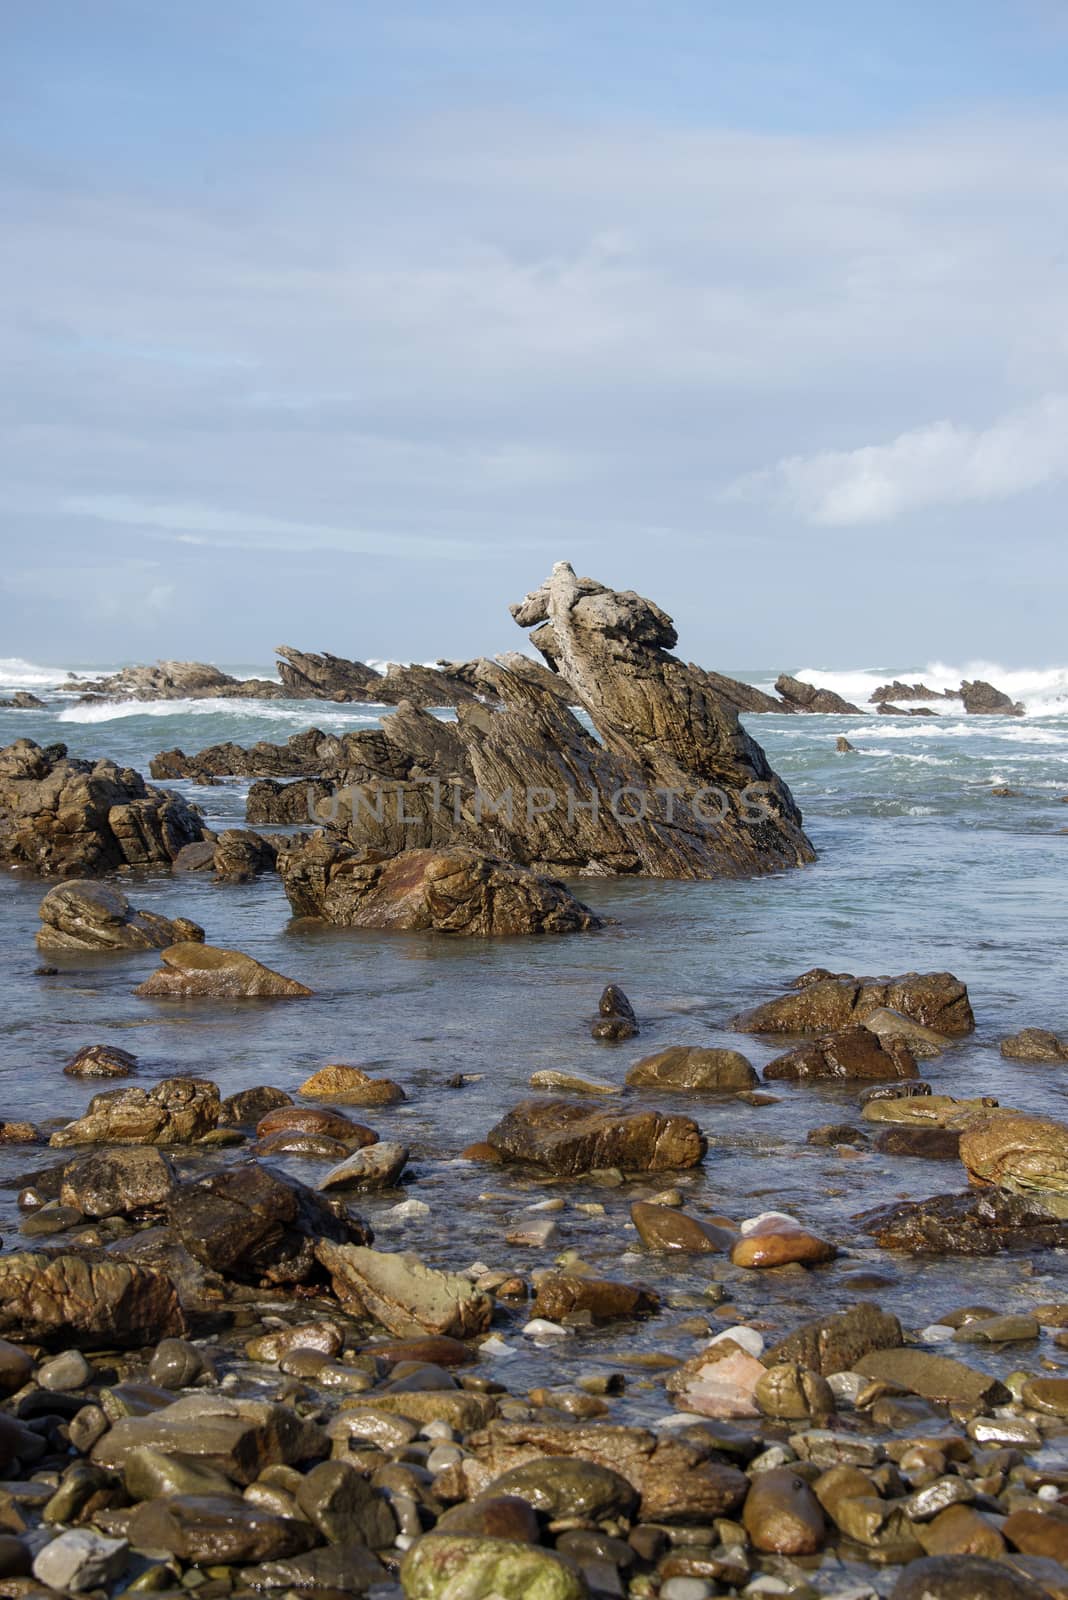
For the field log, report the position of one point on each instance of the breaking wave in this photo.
(1044, 691)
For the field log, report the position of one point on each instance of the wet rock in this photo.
(308, 1119)
(924, 1043)
(255, 1224)
(238, 1438)
(665, 1228)
(926, 1110)
(378, 1166)
(615, 1019)
(343, 1506)
(202, 971)
(350, 1086)
(493, 1516)
(931, 1144)
(176, 1111)
(843, 746)
(982, 699)
(240, 855)
(782, 1515)
(323, 1337)
(442, 1565)
(721, 1381)
(849, 1053)
(115, 1182)
(565, 1487)
(215, 1530)
(83, 915)
(963, 1578)
(337, 1569)
(175, 1364)
(959, 1530)
(1034, 1044)
(1049, 1395)
(562, 1294)
(460, 890)
(67, 1371)
(101, 1061)
(148, 1473)
(562, 1083)
(568, 1138)
(1022, 1154)
(938, 1000)
(48, 1297)
(16, 1367)
(406, 1297)
(933, 1377)
(776, 1241)
(692, 1067)
(834, 1343)
(76, 819)
(792, 1392)
(248, 1106)
(80, 1559)
(836, 1133)
(801, 696)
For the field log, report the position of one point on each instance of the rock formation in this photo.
(69, 818)
(807, 697)
(898, 691)
(823, 1002)
(982, 699)
(326, 677)
(177, 680)
(202, 971)
(82, 915)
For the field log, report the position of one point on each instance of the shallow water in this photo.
(919, 867)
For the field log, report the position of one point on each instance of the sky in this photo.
(336, 324)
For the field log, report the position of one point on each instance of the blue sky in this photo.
(338, 324)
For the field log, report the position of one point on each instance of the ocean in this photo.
(920, 867)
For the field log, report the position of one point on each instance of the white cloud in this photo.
(940, 464)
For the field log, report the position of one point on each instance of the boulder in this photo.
(1034, 1044)
(108, 1183)
(236, 1437)
(217, 1530)
(976, 1223)
(76, 819)
(405, 1296)
(964, 1577)
(923, 1109)
(778, 1241)
(45, 1298)
(241, 855)
(566, 1294)
(568, 1138)
(350, 1086)
(202, 971)
(82, 915)
(101, 1061)
(378, 1166)
(176, 1111)
(666, 1228)
(982, 699)
(801, 696)
(461, 890)
(782, 1515)
(851, 1052)
(314, 1120)
(693, 1067)
(178, 680)
(826, 1002)
(1025, 1155)
(834, 1342)
(615, 1018)
(447, 1564)
(933, 1377)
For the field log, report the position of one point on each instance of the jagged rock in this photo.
(455, 891)
(1034, 1044)
(22, 700)
(807, 697)
(910, 691)
(834, 1343)
(234, 1436)
(852, 1052)
(350, 1086)
(203, 971)
(101, 1061)
(568, 1138)
(50, 1297)
(114, 1182)
(982, 1223)
(82, 915)
(402, 1294)
(177, 680)
(843, 746)
(615, 1019)
(216, 1530)
(176, 1111)
(1023, 1154)
(889, 709)
(68, 818)
(241, 855)
(744, 696)
(982, 699)
(693, 1067)
(307, 676)
(303, 755)
(827, 1002)
(257, 1225)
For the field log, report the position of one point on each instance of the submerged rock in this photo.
(824, 1002)
(1034, 1044)
(693, 1067)
(83, 915)
(665, 1228)
(569, 1138)
(202, 971)
(75, 819)
(101, 1061)
(44, 1298)
(563, 1294)
(852, 1052)
(460, 890)
(402, 1294)
(964, 1577)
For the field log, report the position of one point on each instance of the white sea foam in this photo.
(1044, 690)
(15, 673)
(298, 713)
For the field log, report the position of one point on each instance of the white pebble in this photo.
(495, 1347)
(1049, 1491)
(749, 1339)
(846, 1386)
(438, 1430)
(937, 1333)
(685, 1589)
(442, 1456)
(768, 1216)
(542, 1328)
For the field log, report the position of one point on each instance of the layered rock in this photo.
(178, 680)
(68, 818)
(326, 677)
(45, 1297)
(800, 696)
(459, 890)
(406, 1297)
(303, 755)
(823, 1002)
(852, 1052)
(1023, 1154)
(176, 1111)
(569, 1138)
(982, 699)
(898, 691)
(202, 971)
(977, 1223)
(693, 1067)
(82, 915)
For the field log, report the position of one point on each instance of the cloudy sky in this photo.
(337, 323)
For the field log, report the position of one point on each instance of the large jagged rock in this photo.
(303, 755)
(402, 1294)
(801, 696)
(982, 699)
(83, 915)
(976, 1223)
(326, 677)
(176, 1111)
(48, 1297)
(898, 691)
(202, 971)
(76, 819)
(691, 1066)
(109, 1183)
(567, 1137)
(746, 696)
(178, 680)
(822, 1002)
(235, 1436)
(852, 1052)
(458, 890)
(1025, 1155)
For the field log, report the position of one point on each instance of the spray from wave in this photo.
(297, 713)
(1044, 691)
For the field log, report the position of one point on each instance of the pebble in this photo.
(750, 1339)
(686, 1589)
(542, 1328)
(80, 1559)
(67, 1371)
